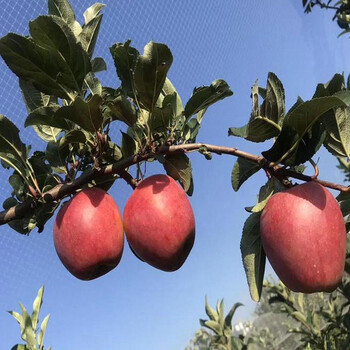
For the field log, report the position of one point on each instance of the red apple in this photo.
(304, 237)
(159, 223)
(88, 234)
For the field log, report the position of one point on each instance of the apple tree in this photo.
(70, 109)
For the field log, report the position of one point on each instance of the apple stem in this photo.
(128, 178)
(317, 171)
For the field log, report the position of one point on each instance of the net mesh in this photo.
(209, 40)
(26, 258)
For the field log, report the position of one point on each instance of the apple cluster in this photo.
(302, 232)
(158, 223)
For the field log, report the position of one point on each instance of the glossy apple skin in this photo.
(304, 237)
(159, 223)
(88, 234)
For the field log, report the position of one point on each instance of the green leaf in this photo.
(192, 126)
(16, 181)
(125, 57)
(162, 117)
(212, 325)
(212, 314)
(47, 133)
(42, 214)
(46, 69)
(273, 106)
(9, 203)
(32, 97)
(301, 133)
(113, 153)
(18, 317)
(38, 301)
(22, 225)
(121, 108)
(334, 146)
(93, 11)
(73, 136)
(265, 120)
(98, 64)
(89, 34)
(220, 311)
(265, 194)
(42, 332)
(61, 8)
(19, 347)
(28, 334)
(12, 151)
(36, 218)
(297, 315)
(229, 316)
(55, 35)
(337, 124)
(169, 89)
(42, 171)
(242, 170)
(253, 255)
(56, 155)
(345, 207)
(150, 73)
(87, 115)
(190, 190)
(337, 83)
(178, 166)
(129, 146)
(36, 106)
(205, 96)
(93, 84)
(344, 166)
(259, 129)
(64, 10)
(45, 116)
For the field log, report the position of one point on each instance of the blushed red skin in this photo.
(159, 223)
(304, 237)
(88, 234)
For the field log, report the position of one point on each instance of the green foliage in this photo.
(178, 166)
(31, 334)
(71, 111)
(320, 319)
(344, 166)
(242, 171)
(341, 8)
(253, 255)
(265, 119)
(221, 327)
(284, 320)
(301, 134)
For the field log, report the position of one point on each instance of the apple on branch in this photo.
(304, 237)
(159, 223)
(88, 234)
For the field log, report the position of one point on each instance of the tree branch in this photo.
(62, 190)
(326, 6)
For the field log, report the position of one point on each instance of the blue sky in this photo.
(136, 306)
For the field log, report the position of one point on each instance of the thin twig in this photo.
(128, 178)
